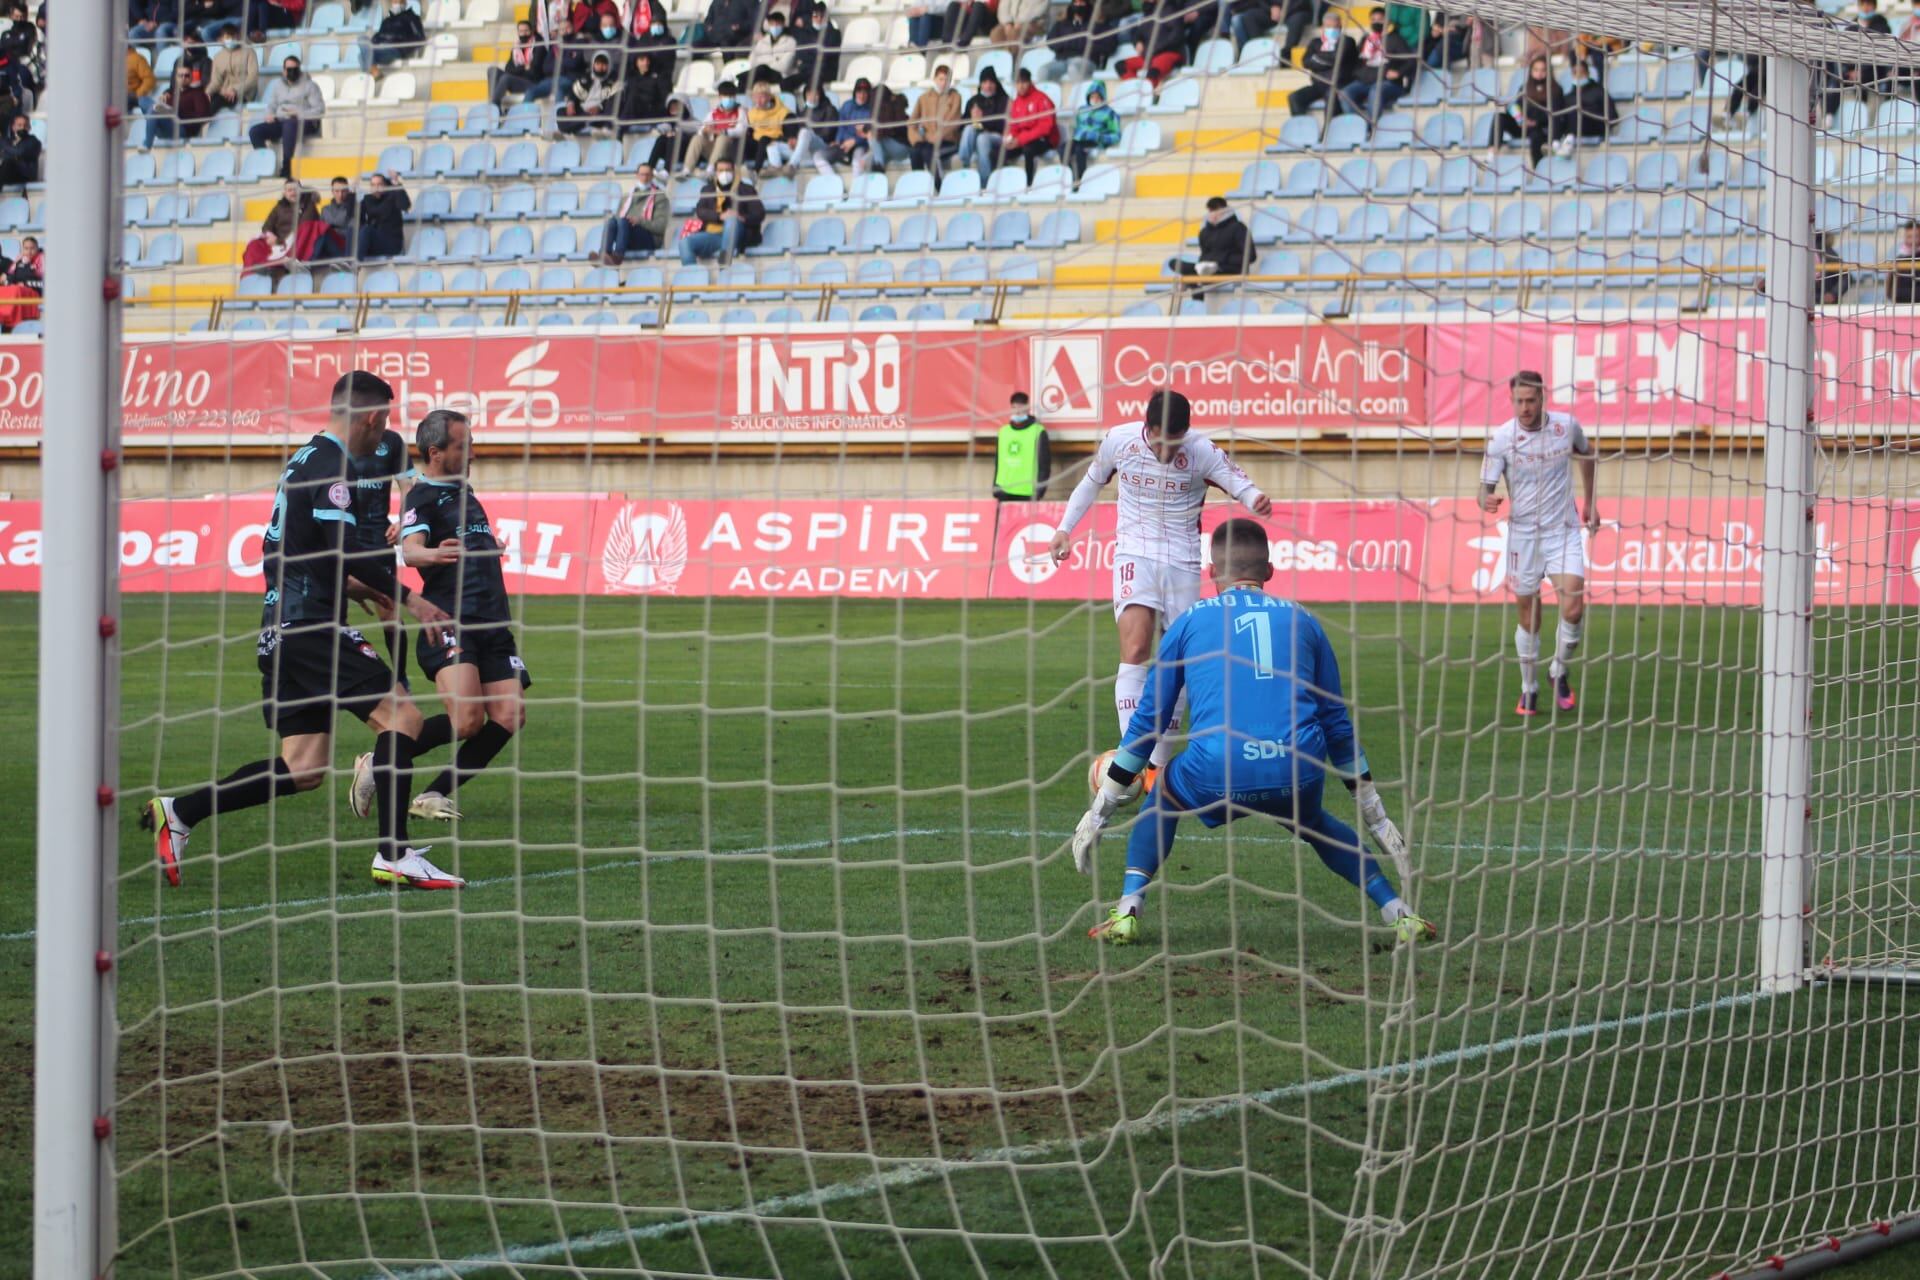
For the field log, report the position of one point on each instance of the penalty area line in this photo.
(913, 1173)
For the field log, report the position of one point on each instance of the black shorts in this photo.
(309, 673)
(486, 645)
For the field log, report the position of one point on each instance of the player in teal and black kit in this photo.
(1267, 719)
(446, 537)
(312, 664)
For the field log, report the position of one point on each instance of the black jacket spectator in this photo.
(1076, 36)
(19, 155)
(661, 48)
(822, 117)
(1593, 111)
(195, 58)
(1227, 245)
(643, 97)
(744, 198)
(993, 110)
(382, 221)
(1329, 70)
(402, 30)
(729, 25)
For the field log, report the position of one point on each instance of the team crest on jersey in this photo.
(645, 550)
(1180, 461)
(1559, 429)
(340, 495)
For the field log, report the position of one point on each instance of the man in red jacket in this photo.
(1031, 128)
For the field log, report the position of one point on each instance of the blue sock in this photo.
(1147, 847)
(1339, 847)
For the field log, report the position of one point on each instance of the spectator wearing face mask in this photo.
(235, 78)
(180, 112)
(771, 60)
(643, 96)
(809, 139)
(1032, 130)
(1076, 51)
(648, 31)
(728, 25)
(383, 218)
(196, 58)
(806, 48)
(400, 36)
(1225, 247)
(341, 215)
(1095, 128)
(1592, 110)
(850, 140)
(294, 109)
(886, 132)
(721, 133)
(592, 99)
(933, 131)
(725, 222)
(641, 224)
(528, 70)
(205, 18)
(1540, 114)
(986, 127)
(1385, 72)
(828, 69)
(766, 125)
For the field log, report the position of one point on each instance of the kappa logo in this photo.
(1492, 569)
(1066, 378)
(645, 551)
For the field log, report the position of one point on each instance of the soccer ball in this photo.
(1098, 770)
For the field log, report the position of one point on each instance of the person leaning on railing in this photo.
(382, 218)
(1225, 247)
(1903, 280)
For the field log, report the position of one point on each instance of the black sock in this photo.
(435, 732)
(397, 650)
(472, 756)
(248, 787)
(392, 772)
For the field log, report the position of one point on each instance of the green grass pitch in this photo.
(772, 907)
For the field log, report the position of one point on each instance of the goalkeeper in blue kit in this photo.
(1267, 719)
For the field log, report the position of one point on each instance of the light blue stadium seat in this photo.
(1051, 184)
(685, 193)
(1328, 263)
(1555, 173)
(482, 119)
(646, 279)
(1456, 176)
(222, 130)
(1139, 138)
(562, 158)
(328, 19)
(602, 200)
(1383, 266)
(864, 191)
(249, 291)
(960, 186)
(436, 161)
(164, 250)
(1144, 309)
(428, 281)
(1257, 181)
(926, 312)
(1570, 220)
(970, 311)
(133, 211)
(598, 278)
(1061, 227)
(602, 156)
(432, 204)
(522, 118)
(872, 234)
(1367, 222)
(1420, 220)
(963, 231)
(292, 287)
(1605, 173)
(1304, 180)
(516, 279)
(472, 204)
(327, 55)
(1236, 306)
(964, 276)
(1011, 229)
(786, 315)
(385, 280)
(1502, 177)
(396, 159)
(1897, 118)
(215, 167)
(824, 235)
(823, 191)
(136, 168)
(512, 204)
(1751, 173)
(465, 284)
(1281, 262)
(1404, 177)
(166, 212)
(919, 274)
(778, 236)
(334, 286)
(1299, 133)
(476, 161)
(785, 274)
(1023, 267)
(1486, 260)
(829, 271)
(1520, 221)
(915, 233)
(1315, 224)
(559, 200)
(1009, 182)
(1477, 88)
(1640, 127)
(1345, 133)
(913, 188)
(1394, 132)
(1674, 80)
(557, 244)
(1443, 132)
(1469, 220)
(1430, 88)
(1659, 171)
(469, 244)
(1706, 171)
(442, 119)
(1099, 182)
(515, 245)
(875, 271)
(1676, 216)
(554, 278)
(777, 194)
(1622, 220)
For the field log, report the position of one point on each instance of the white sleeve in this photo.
(1230, 479)
(1099, 471)
(1582, 447)
(1495, 464)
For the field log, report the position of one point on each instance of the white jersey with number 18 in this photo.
(1538, 466)
(1160, 502)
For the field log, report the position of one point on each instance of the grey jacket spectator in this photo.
(302, 100)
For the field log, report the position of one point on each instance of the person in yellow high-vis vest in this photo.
(1022, 458)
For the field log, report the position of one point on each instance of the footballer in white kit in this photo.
(1164, 474)
(1536, 452)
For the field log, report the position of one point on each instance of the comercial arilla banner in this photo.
(1648, 552)
(1268, 378)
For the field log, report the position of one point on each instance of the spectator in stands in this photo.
(1593, 110)
(342, 219)
(1834, 279)
(1329, 62)
(720, 134)
(1903, 281)
(827, 67)
(1248, 20)
(1540, 114)
(1385, 71)
(673, 135)
(647, 20)
(728, 26)
(923, 24)
(1071, 42)
(1020, 21)
(294, 109)
(726, 221)
(401, 35)
(383, 218)
(1749, 93)
(592, 100)
(986, 128)
(809, 139)
(643, 96)
(965, 21)
(205, 18)
(1410, 20)
(528, 70)
(887, 141)
(1160, 35)
(140, 81)
(609, 37)
(1867, 78)
(1453, 38)
(1225, 247)
(235, 78)
(641, 224)
(147, 20)
(806, 47)
(180, 112)
(773, 55)
(766, 125)
(1297, 20)
(195, 58)
(850, 139)
(284, 236)
(23, 58)
(19, 155)
(29, 267)
(1095, 128)
(22, 279)
(933, 132)
(557, 20)
(1032, 130)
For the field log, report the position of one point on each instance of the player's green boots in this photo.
(1411, 929)
(1119, 928)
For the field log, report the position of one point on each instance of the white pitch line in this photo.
(918, 1171)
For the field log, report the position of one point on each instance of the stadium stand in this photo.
(507, 213)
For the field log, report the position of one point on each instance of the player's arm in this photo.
(402, 485)
(1492, 467)
(1238, 485)
(1587, 458)
(1153, 716)
(1099, 471)
(414, 553)
(1345, 755)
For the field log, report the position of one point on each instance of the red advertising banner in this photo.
(1647, 378)
(1650, 552)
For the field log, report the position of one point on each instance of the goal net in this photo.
(771, 957)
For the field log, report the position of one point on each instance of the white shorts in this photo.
(1533, 554)
(1166, 589)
